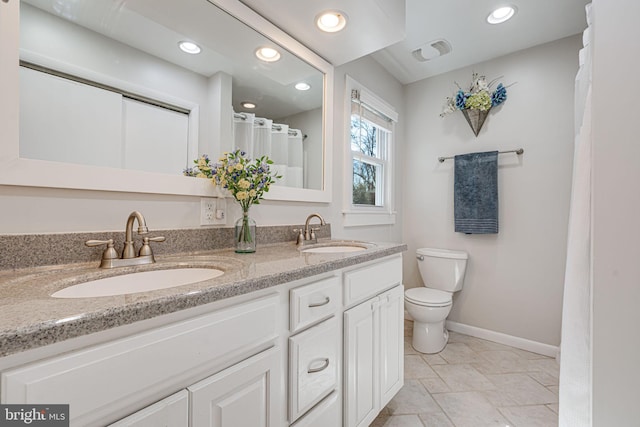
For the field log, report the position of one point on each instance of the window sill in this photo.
(361, 219)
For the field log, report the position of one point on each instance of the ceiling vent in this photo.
(432, 50)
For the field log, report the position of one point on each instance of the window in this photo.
(369, 144)
(369, 172)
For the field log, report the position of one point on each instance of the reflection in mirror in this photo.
(106, 84)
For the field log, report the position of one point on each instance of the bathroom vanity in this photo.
(283, 337)
(278, 339)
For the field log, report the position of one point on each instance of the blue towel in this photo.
(475, 194)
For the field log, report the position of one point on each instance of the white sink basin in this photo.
(337, 249)
(143, 281)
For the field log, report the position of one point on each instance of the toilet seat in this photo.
(428, 297)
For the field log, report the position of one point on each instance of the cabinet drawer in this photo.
(313, 366)
(314, 302)
(366, 282)
(324, 414)
(127, 374)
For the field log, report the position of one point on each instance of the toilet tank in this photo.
(442, 268)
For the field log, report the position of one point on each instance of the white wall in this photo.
(514, 280)
(42, 210)
(616, 203)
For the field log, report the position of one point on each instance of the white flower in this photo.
(449, 107)
(480, 84)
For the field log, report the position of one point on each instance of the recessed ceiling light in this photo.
(302, 86)
(268, 54)
(331, 21)
(189, 47)
(501, 14)
(249, 105)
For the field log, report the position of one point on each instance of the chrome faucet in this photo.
(110, 257)
(307, 234)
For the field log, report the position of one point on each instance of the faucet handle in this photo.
(145, 250)
(109, 252)
(300, 238)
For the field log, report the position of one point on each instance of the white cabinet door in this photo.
(361, 358)
(172, 411)
(249, 393)
(374, 362)
(391, 344)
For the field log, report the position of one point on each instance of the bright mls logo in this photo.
(34, 415)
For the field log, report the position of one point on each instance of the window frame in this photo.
(365, 215)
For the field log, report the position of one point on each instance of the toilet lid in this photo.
(427, 296)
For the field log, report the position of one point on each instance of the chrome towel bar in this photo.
(519, 151)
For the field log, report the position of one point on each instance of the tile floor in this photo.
(474, 383)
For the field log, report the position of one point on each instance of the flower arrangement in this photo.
(476, 101)
(478, 97)
(247, 180)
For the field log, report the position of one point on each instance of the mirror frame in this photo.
(40, 173)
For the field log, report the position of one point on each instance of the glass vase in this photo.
(245, 234)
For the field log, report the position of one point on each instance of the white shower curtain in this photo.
(575, 369)
(295, 175)
(259, 137)
(280, 151)
(243, 134)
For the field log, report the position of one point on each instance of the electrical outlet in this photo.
(207, 211)
(221, 212)
(213, 211)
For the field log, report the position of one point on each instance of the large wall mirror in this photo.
(112, 99)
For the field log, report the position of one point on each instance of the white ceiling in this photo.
(372, 25)
(391, 29)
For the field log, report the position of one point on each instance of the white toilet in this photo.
(442, 272)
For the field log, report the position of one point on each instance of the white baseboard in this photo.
(500, 338)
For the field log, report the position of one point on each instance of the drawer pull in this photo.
(325, 365)
(320, 304)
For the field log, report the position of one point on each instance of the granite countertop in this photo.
(30, 317)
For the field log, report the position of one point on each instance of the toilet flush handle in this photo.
(420, 257)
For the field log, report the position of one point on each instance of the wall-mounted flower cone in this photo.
(475, 118)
